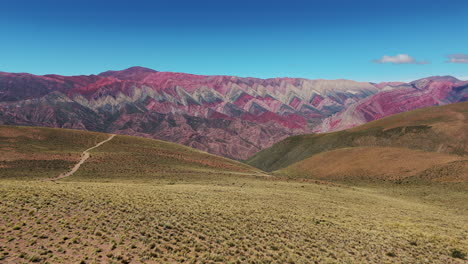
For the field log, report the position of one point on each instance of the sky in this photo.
(365, 40)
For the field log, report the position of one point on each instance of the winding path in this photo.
(84, 156)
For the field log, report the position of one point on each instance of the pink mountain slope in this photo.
(421, 93)
(225, 115)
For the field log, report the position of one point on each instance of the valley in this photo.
(137, 200)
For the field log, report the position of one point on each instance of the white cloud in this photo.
(399, 59)
(458, 58)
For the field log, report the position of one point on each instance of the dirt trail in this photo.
(84, 157)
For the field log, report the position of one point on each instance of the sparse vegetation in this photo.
(435, 129)
(144, 201)
(148, 160)
(38, 153)
(399, 165)
(232, 219)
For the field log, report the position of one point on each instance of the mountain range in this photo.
(225, 115)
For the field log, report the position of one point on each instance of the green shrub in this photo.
(456, 253)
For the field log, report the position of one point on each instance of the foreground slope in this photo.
(137, 200)
(236, 220)
(33, 152)
(435, 129)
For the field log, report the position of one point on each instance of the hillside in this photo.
(42, 153)
(435, 129)
(230, 116)
(379, 163)
(225, 115)
(137, 200)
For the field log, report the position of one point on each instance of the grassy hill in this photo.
(380, 163)
(35, 153)
(137, 200)
(442, 129)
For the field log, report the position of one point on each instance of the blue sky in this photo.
(312, 39)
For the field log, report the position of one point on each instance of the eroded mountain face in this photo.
(225, 115)
(401, 98)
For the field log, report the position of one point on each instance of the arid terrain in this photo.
(433, 130)
(137, 200)
(234, 132)
(229, 116)
(234, 219)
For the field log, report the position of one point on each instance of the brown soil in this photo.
(375, 162)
